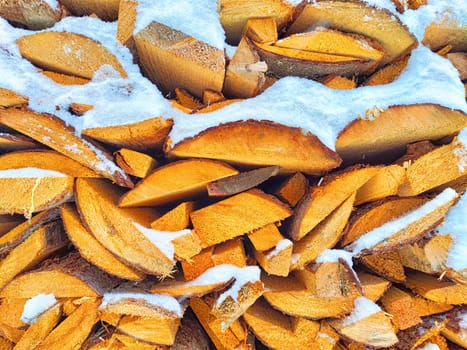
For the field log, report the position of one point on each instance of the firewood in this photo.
(12, 312)
(135, 163)
(16, 142)
(454, 327)
(373, 287)
(74, 329)
(387, 265)
(190, 334)
(261, 30)
(80, 109)
(324, 236)
(384, 184)
(230, 252)
(276, 261)
(445, 31)
(188, 63)
(339, 82)
(236, 216)
(93, 251)
(401, 307)
(241, 143)
(37, 332)
(211, 96)
(378, 138)
(426, 307)
(175, 219)
(459, 60)
(326, 197)
(8, 222)
(37, 14)
(366, 20)
(176, 181)
(186, 99)
(29, 190)
(82, 56)
(77, 279)
(107, 9)
(265, 237)
(235, 14)
(216, 105)
(53, 132)
(292, 189)
(43, 242)
(12, 334)
(241, 182)
(197, 264)
(65, 79)
(388, 73)
(146, 135)
(9, 98)
(45, 159)
(6, 344)
(116, 230)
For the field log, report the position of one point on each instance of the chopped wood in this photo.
(126, 24)
(143, 136)
(378, 138)
(276, 261)
(400, 305)
(445, 31)
(211, 96)
(106, 9)
(175, 219)
(293, 189)
(236, 216)
(190, 334)
(187, 62)
(387, 265)
(454, 328)
(186, 99)
(65, 79)
(339, 82)
(459, 60)
(241, 182)
(37, 332)
(9, 98)
(426, 307)
(135, 163)
(16, 142)
(364, 19)
(230, 252)
(234, 14)
(323, 236)
(35, 14)
(53, 132)
(115, 229)
(176, 181)
(265, 238)
(43, 242)
(80, 109)
(262, 30)
(12, 334)
(373, 287)
(11, 312)
(93, 251)
(45, 159)
(388, 73)
(325, 198)
(259, 143)
(197, 264)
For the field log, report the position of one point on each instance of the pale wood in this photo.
(387, 265)
(446, 31)
(373, 287)
(175, 219)
(176, 181)
(9, 98)
(241, 143)
(34, 14)
(135, 163)
(81, 57)
(357, 17)
(59, 138)
(400, 305)
(388, 73)
(104, 9)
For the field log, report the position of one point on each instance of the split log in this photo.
(358, 17)
(135, 163)
(240, 143)
(445, 31)
(16, 142)
(106, 10)
(373, 287)
(9, 98)
(36, 14)
(187, 100)
(230, 252)
(210, 96)
(293, 189)
(79, 109)
(262, 30)
(401, 307)
(65, 79)
(426, 307)
(388, 73)
(277, 260)
(339, 82)
(388, 265)
(175, 219)
(185, 179)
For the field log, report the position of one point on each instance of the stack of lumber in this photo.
(233, 174)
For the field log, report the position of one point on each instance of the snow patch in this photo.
(363, 308)
(29, 173)
(35, 306)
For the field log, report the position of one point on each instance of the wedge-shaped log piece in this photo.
(265, 238)
(15, 142)
(37, 332)
(65, 79)
(176, 181)
(22, 231)
(241, 182)
(426, 307)
(407, 228)
(43, 242)
(190, 334)
(245, 74)
(402, 308)
(29, 190)
(47, 160)
(446, 30)
(388, 73)
(373, 287)
(279, 331)
(79, 109)
(67, 53)
(187, 100)
(135, 163)
(74, 329)
(115, 229)
(147, 135)
(367, 324)
(260, 143)
(357, 17)
(394, 128)
(339, 82)
(261, 30)
(9, 98)
(293, 189)
(230, 252)
(384, 184)
(173, 59)
(387, 265)
(291, 297)
(93, 251)
(434, 169)
(234, 14)
(276, 261)
(106, 9)
(325, 198)
(371, 216)
(35, 14)
(436, 290)
(67, 277)
(175, 219)
(236, 216)
(459, 60)
(53, 132)
(210, 96)
(324, 236)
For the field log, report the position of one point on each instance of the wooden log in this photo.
(373, 287)
(135, 163)
(400, 305)
(65, 79)
(339, 82)
(388, 73)
(106, 10)
(9, 98)
(36, 14)
(293, 189)
(386, 265)
(175, 219)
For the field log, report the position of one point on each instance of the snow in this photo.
(334, 255)
(363, 308)
(389, 228)
(280, 246)
(53, 4)
(248, 274)
(163, 301)
(35, 306)
(428, 346)
(30, 173)
(461, 150)
(463, 320)
(162, 239)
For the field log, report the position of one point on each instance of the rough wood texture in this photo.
(105, 9)
(34, 14)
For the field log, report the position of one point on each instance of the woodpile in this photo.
(233, 174)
